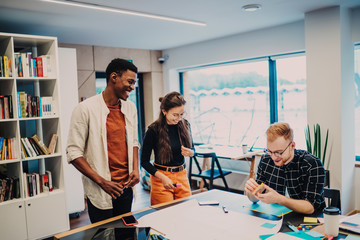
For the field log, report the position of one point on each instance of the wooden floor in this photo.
(141, 201)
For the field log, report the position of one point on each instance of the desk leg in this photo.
(205, 166)
(252, 167)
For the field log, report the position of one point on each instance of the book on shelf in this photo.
(9, 188)
(6, 109)
(6, 66)
(25, 184)
(7, 148)
(52, 143)
(39, 66)
(3, 151)
(1, 145)
(47, 65)
(2, 110)
(30, 106)
(10, 106)
(50, 180)
(28, 144)
(34, 147)
(35, 183)
(26, 150)
(22, 104)
(26, 65)
(46, 105)
(41, 144)
(1, 67)
(44, 179)
(33, 67)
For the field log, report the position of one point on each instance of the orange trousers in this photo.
(158, 194)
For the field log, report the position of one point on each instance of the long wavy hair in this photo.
(171, 100)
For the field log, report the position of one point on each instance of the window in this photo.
(357, 102)
(135, 96)
(291, 86)
(230, 104)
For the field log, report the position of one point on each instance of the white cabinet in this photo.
(46, 215)
(13, 221)
(28, 212)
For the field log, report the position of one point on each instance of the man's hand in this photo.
(112, 188)
(134, 178)
(250, 185)
(270, 196)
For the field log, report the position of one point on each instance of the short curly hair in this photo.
(119, 66)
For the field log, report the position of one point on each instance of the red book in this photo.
(39, 66)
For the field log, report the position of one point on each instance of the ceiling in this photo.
(94, 27)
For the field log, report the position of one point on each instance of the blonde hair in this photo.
(279, 129)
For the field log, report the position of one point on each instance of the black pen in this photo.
(224, 209)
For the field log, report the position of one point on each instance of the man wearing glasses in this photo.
(291, 177)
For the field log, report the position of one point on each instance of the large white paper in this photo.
(283, 236)
(190, 221)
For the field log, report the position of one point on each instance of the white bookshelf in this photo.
(44, 214)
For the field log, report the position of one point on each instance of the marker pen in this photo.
(225, 209)
(177, 185)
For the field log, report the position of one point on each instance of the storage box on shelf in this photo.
(32, 192)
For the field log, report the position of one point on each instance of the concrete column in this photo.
(330, 94)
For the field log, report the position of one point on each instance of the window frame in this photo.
(273, 81)
(356, 46)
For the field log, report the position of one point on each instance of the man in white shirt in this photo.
(103, 144)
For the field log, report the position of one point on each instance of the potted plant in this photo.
(314, 146)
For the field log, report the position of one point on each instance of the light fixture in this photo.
(251, 7)
(123, 11)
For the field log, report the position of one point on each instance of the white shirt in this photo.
(87, 138)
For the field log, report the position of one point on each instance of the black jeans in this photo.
(121, 205)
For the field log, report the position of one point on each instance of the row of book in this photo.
(8, 148)
(34, 106)
(35, 183)
(28, 66)
(33, 146)
(9, 188)
(5, 66)
(6, 107)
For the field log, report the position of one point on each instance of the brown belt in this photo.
(170, 169)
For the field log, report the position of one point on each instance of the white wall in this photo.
(341, 31)
(69, 100)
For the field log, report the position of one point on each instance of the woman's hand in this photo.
(186, 152)
(167, 183)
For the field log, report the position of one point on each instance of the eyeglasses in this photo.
(177, 116)
(277, 154)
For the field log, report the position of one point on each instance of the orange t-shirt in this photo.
(117, 147)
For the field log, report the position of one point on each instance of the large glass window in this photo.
(230, 104)
(291, 88)
(357, 102)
